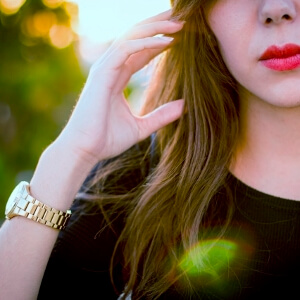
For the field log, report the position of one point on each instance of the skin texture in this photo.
(245, 29)
(268, 154)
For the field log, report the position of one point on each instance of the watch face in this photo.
(13, 199)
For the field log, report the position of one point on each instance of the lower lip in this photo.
(283, 64)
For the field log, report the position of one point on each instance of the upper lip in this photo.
(285, 51)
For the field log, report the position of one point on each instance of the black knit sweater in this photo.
(260, 256)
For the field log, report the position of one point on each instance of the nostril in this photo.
(286, 17)
(268, 20)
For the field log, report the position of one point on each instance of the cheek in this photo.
(235, 46)
(235, 59)
(233, 23)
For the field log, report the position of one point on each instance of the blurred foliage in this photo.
(40, 80)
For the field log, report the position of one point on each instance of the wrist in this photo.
(80, 146)
(59, 174)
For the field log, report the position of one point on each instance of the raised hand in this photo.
(102, 124)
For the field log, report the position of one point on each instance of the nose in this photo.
(277, 11)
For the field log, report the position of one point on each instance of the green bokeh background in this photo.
(39, 85)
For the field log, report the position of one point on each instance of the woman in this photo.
(204, 208)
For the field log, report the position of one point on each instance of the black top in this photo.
(258, 257)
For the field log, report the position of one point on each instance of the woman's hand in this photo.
(102, 124)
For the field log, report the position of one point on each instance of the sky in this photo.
(95, 22)
(101, 20)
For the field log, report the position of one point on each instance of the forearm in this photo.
(25, 244)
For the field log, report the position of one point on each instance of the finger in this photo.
(135, 63)
(113, 62)
(162, 27)
(138, 60)
(125, 49)
(160, 117)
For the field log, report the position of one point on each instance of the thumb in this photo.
(160, 117)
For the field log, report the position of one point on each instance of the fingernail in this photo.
(166, 38)
(176, 21)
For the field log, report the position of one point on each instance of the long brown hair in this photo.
(171, 203)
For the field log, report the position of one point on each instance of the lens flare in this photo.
(216, 263)
(209, 258)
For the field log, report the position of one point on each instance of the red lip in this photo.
(284, 58)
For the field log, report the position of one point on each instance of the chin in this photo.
(287, 96)
(285, 102)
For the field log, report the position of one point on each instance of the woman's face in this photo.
(260, 44)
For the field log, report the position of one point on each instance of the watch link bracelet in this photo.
(21, 203)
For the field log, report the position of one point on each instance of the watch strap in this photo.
(31, 208)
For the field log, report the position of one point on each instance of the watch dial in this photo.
(13, 199)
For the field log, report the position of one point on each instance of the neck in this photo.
(268, 154)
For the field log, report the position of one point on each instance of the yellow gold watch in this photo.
(21, 203)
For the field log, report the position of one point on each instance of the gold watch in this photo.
(21, 203)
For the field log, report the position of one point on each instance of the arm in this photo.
(101, 126)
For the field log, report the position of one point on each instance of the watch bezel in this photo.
(21, 203)
(14, 199)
